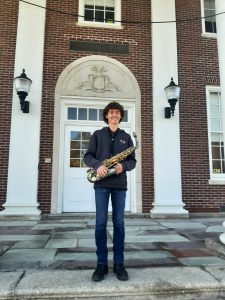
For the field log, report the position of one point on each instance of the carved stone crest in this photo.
(98, 81)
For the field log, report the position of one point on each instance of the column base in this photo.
(222, 236)
(23, 211)
(164, 211)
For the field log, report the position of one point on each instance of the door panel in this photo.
(78, 192)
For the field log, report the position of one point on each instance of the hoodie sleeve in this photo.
(129, 163)
(90, 156)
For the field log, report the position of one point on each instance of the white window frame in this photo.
(116, 25)
(214, 178)
(204, 33)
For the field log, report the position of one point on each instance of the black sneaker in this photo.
(120, 272)
(99, 272)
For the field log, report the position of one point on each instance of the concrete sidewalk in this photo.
(54, 259)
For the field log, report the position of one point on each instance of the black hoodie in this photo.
(104, 144)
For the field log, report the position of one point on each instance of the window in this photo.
(78, 146)
(89, 114)
(100, 13)
(216, 136)
(209, 21)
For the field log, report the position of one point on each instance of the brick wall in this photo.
(8, 29)
(60, 29)
(198, 67)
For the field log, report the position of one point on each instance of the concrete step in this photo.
(184, 283)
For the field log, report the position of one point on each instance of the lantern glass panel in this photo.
(22, 85)
(172, 92)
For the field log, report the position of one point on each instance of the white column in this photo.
(25, 128)
(220, 22)
(166, 132)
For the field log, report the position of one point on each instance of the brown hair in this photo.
(113, 105)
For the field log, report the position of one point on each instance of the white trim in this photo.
(202, 15)
(213, 177)
(25, 128)
(216, 181)
(116, 25)
(98, 25)
(59, 115)
(166, 132)
(209, 35)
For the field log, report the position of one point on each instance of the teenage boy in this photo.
(103, 144)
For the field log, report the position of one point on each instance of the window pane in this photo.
(83, 164)
(101, 115)
(208, 4)
(85, 145)
(214, 99)
(75, 145)
(215, 111)
(82, 152)
(88, 15)
(109, 17)
(93, 114)
(217, 166)
(82, 113)
(215, 124)
(99, 7)
(125, 118)
(74, 163)
(75, 135)
(208, 27)
(216, 152)
(99, 16)
(72, 113)
(215, 137)
(74, 153)
(209, 15)
(86, 136)
(90, 7)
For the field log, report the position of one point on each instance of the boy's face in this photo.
(113, 116)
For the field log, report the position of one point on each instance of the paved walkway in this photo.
(56, 249)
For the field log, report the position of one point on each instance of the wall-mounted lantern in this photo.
(22, 86)
(172, 94)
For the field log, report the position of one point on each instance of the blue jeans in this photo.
(118, 206)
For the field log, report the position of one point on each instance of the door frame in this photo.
(78, 102)
(64, 86)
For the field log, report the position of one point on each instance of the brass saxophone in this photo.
(111, 162)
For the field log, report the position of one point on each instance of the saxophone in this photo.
(111, 162)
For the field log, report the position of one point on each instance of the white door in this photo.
(78, 192)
